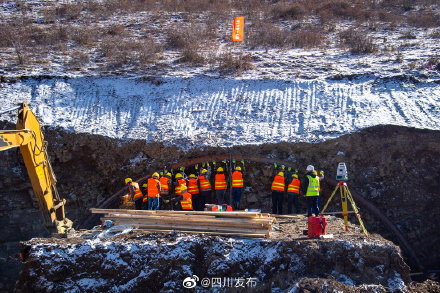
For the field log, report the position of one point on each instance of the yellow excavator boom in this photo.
(29, 138)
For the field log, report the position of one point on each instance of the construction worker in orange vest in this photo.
(185, 201)
(180, 185)
(278, 188)
(182, 194)
(144, 190)
(134, 193)
(153, 191)
(237, 187)
(293, 193)
(220, 185)
(205, 188)
(165, 184)
(193, 188)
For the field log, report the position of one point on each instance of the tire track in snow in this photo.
(226, 111)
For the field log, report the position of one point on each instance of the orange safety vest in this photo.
(220, 182)
(205, 185)
(137, 192)
(294, 186)
(153, 189)
(181, 187)
(164, 183)
(237, 179)
(278, 183)
(186, 203)
(193, 188)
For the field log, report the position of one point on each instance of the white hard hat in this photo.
(310, 168)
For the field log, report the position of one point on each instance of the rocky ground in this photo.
(91, 168)
(120, 259)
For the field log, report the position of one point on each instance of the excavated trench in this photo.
(394, 169)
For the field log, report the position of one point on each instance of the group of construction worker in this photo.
(288, 181)
(190, 192)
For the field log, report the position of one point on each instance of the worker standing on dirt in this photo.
(220, 185)
(180, 185)
(293, 192)
(165, 184)
(153, 187)
(278, 188)
(193, 188)
(134, 192)
(205, 188)
(237, 187)
(145, 198)
(310, 188)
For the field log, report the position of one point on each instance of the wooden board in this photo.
(194, 218)
(251, 225)
(225, 214)
(252, 235)
(192, 228)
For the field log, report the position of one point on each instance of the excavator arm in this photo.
(29, 138)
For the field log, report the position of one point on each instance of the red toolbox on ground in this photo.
(317, 226)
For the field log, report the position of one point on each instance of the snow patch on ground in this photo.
(204, 111)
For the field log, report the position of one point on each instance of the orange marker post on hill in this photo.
(238, 29)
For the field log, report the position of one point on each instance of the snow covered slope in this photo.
(223, 112)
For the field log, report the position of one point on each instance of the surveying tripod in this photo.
(345, 194)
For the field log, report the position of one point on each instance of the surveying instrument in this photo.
(342, 177)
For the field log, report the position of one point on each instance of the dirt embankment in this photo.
(139, 262)
(396, 168)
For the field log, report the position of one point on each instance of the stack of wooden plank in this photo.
(246, 224)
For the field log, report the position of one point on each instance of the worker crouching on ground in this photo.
(220, 186)
(185, 200)
(237, 187)
(134, 193)
(182, 194)
(310, 188)
(293, 193)
(153, 191)
(165, 185)
(278, 188)
(205, 188)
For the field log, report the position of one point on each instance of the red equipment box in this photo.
(316, 226)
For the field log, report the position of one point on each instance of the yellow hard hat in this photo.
(238, 168)
(128, 180)
(179, 175)
(144, 185)
(203, 171)
(220, 169)
(168, 174)
(295, 175)
(281, 174)
(192, 176)
(155, 174)
(315, 172)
